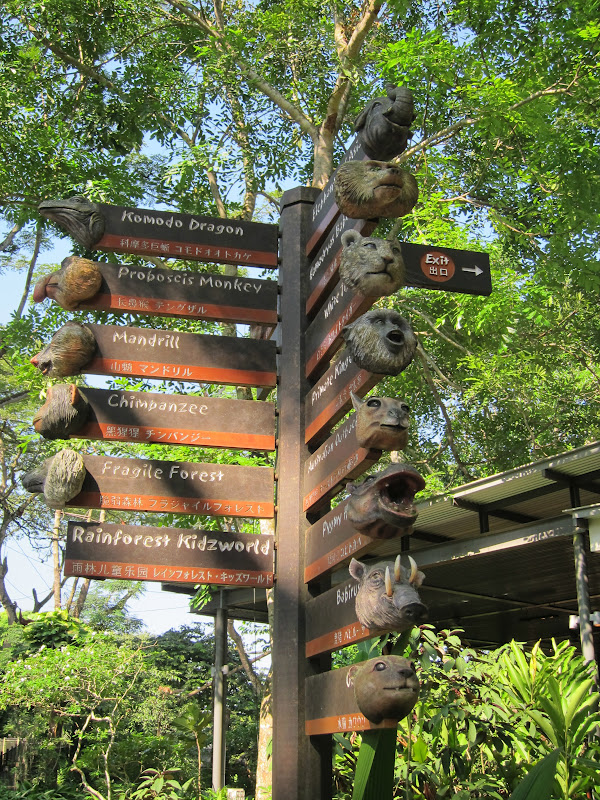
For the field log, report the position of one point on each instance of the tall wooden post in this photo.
(296, 767)
(219, 699)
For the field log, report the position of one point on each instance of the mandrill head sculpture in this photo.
(381, 341)
(365, 189)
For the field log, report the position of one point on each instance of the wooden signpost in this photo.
(176, 555)
(128, 288)
(338, 459)
(331, 621)
(172, 355)
(325, 211)
(188, 237)
(176, 487)
(324, 335)
(331, 707)
(329, 399)
(333, 541)
(178, 419)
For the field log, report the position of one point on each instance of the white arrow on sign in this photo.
(476, 270)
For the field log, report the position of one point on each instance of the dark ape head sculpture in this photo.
(381, 341)
(383, 127)
(69, 350)
(78, 280)
(387, 596)
(382, 506)
(385, 687)
(381, 422)
(65, 411)
(59, 478)
(365, 189)
(373, 267)
(77, 215)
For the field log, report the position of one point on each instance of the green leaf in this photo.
(539, 781)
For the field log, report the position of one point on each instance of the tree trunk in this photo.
(56, 560)
(265, 731)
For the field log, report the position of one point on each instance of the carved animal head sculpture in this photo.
(69, 350)
(381, 422)
(77, 280)
(78, 216)
(59, 478)
(365, 189)
(385, 687)
(383, 127)
(65, 411)
(382, 506)
(387, 597)
(381, 341)
(373, 267)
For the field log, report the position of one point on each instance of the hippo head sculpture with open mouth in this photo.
(387, 597)
(382, 506)
(385, 687)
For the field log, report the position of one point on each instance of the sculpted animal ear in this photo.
(351, 673)
(356, 401)
(350, 237)
(346, 331)
(356, 569)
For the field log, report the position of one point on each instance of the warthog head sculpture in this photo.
(387, 597)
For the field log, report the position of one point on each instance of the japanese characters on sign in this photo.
(172, 355)
(134, 552)
(176, 487)
(179, 419)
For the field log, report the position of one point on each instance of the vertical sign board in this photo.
(325, 210)
(178, 419)
(322, 273)
(332, 541)
(187, 236)
(329, 399)
(177, 555)
(331, 707)
(130, 289)
(176, 487)
(331, 621)
(324, 334)
(172, 355)
(338, 459)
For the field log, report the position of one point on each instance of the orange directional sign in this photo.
(176, 555)
(176, 487)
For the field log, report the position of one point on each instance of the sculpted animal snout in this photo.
(416, 612)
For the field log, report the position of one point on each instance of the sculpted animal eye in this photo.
(406, 408)
(380, 666)
(374, 403)
(372, 245)
(396, 250)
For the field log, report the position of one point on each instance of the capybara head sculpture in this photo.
(59, 478)
(365, 189)
(387, 596)
(382, 506)
(385, 687)
(65, 411)
(69, 350)
(373, 267)
(383, 127)
(77, 280)
(381, 341)
(77, 215)
(381, 422)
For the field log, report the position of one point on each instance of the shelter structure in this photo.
(505, 557)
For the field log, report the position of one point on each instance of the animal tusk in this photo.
(389, 589)
(397, 570)
(413, 570)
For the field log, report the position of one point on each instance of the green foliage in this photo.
(491, 724)
(159, 785)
